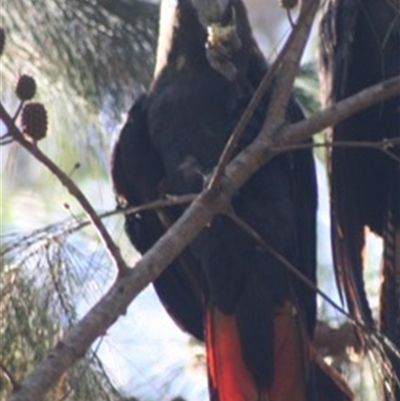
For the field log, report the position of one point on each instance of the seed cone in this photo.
(34, 120)
(26, 87)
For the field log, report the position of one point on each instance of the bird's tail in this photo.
(231, 379)
(300, 374)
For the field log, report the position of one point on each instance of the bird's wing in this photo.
(138, 174)
(337, 31)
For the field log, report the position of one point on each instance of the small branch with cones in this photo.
(34, 127)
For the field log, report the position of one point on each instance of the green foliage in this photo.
(102, 50)
(41, 273)
(90, 59)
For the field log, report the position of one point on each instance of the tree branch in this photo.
(381, 146)
(209, 203)
(72, 188)
(284, 83)
(263, 149)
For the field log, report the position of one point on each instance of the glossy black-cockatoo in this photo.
(360, 46)
(256, 319)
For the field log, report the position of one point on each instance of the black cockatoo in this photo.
(256, 319)
(360, 46)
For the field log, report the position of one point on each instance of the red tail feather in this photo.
(230, 379)
(291, 358)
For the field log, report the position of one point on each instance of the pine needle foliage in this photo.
(44, 278)
(102, 49)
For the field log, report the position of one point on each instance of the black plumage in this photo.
(360, 46)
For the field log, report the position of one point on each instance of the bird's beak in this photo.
(212, 11)
(218, 18)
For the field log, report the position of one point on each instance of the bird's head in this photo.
(211, 12)
(217, 28)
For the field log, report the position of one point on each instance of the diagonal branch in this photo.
(284, 82)
(264, 148)
(114, 303)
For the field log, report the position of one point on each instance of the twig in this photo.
(72, 188)
(381, 146)
(170, 201)
(19, 108)
(290, 18)
(289, 266)
(154, 205)
(6, 140)
(304, 279)
(77, 223)
(10, 377)
(58, 291)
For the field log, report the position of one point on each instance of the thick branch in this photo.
(290, 66)
(115, 302)
(340, 111)
(264, 147)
